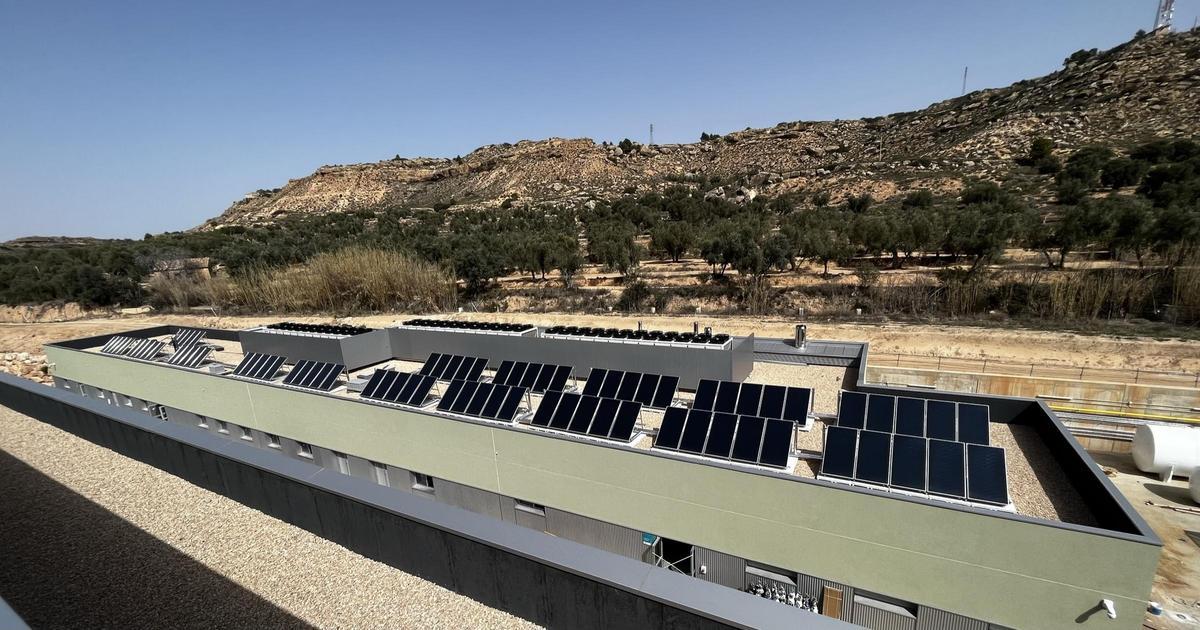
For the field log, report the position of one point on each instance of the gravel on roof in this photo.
(93, 539)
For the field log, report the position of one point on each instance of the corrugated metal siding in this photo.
(936, 619)
(525, 518)
(880, 619)
(722, 568)
(468, 498)
(606, 536)
(815, 587)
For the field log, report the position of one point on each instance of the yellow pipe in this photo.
(1126, 414)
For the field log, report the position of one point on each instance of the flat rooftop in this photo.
(1037, 484)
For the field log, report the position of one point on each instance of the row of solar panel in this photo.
(651, 390)
(317, 375)
(638, 335)
(938, 419)
(749, 439)
(322, 329)
(401, 388)
(938, 467)
(452, 367)
(607, 418)
(536, 377)
(753, 399)
(259, 366)
(483, 400)
(189, 356)
(134, 348)
(186, 337)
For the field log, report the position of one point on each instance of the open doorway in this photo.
(674, 555)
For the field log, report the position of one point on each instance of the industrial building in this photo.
(911, 508)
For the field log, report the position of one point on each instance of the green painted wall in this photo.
(1009, 572)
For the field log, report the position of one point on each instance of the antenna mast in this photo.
(1162, 19)
(651, 134)
(964, 88)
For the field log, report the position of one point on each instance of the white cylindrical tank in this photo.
(1166, 450)
(1194, 485)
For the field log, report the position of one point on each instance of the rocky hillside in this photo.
(1144, 89)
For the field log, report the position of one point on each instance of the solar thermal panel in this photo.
(503, 372)
(429, 369)
(315, 375)
(671, 429)
(452, 391)
(881, 413)
(841, 444)
(706, 394)
(987, 478)
(665, 392)
(720, 435)
(259, 366)
(450, 369)
(629, 386)
(482, 393)
(117, 345)
(910, 416)
(946, 469)
(973, 424)
(771, 405)
(606, 415)
(512, 402)
(545, 409)
(190, 356)
(145, 349)
(748, 399)
(594, 382)
(695, 431)
(534, 376)
(627, 415)
(582, 418)
(492, 407)
(612, 382)
(404, 394)
(852, 410)
(440, 366)
(727, 394)
(776, 442)
(646, 389)
(747, 440)
(464, 397)
(565, 411)
(799, 402)
(187, 337)
(908, 462)
(475, 369)
(874, 457)
(558, 380)
(941, 419)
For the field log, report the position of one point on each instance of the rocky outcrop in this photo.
(25, 365)
(1141, 90)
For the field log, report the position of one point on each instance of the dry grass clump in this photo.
(351, 280)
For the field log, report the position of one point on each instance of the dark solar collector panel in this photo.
(439, 365)
(852, 410)
(671, 429)
(612, 382)
(492, 407)
(558, 380)
(453, 363)
(747, 440)
(512, 402)
(529, 379)
(629, 386)
(259, 366)
(565, 411)
(987, 478)
(941, 420)
(646, 389)
(665, 392)
(748, 399)
(720, 435)
(627, 415)
(145, 349)
(117, 345)
(881, 413)
(187, 337)
(776, 442)
(475, 370)
(447, 401)
(910, 416)
(908, 462)
(727, 395)
(772, 401)
(190, 356)
(316, 375)
(841, 444)
(582, 418)
(482, 393)
(973, 424)
(594, 381)
(465, 394)
(946, 469)
(695, 431)
(545, 410)
(503, 372)
(706, 394)
(874, 457)
(606, 415)
(799, 402)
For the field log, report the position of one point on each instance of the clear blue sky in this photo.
(122, 118)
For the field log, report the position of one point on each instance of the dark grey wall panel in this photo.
(880, 619)
(720, 568)
(354, 352)
(593, 533)
(551, 581)
(935, 619)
